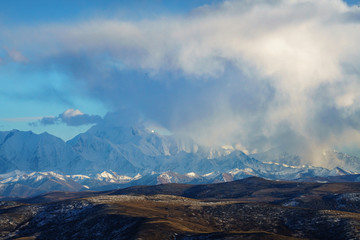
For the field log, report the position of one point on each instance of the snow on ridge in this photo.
(236, 171)
(288, 166)
(208, 174)
(137, 176)
(34, 176)
(104, 174)
(113, 177)
(11, 174)
(108, 178)
(18, 177)
(191, 174)
(78, 176)
(53, 174)
(166, 176)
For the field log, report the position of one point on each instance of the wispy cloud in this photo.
(15, 55)
(20, 119)
(70, 117)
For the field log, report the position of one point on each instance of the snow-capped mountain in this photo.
(130, 150)
(107, 157)
(21, 184)
(333, 159)
(343, 160)
(278, 156)
(27, 151)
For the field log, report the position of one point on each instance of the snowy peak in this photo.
(107, 157)
(129, 150)
(173, 177)
(113, 177)
(19, 184)
(35, 152)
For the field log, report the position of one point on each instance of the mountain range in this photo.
(115, 156)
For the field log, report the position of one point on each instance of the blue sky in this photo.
(30, 92)
(252, 74)
(38, 11)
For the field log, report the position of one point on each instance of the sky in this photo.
(253, 74)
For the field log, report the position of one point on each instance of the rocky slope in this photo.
(253, 212)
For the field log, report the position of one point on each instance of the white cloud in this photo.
(72, 113)
(282, 72)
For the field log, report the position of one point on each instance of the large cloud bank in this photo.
(257, 74)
